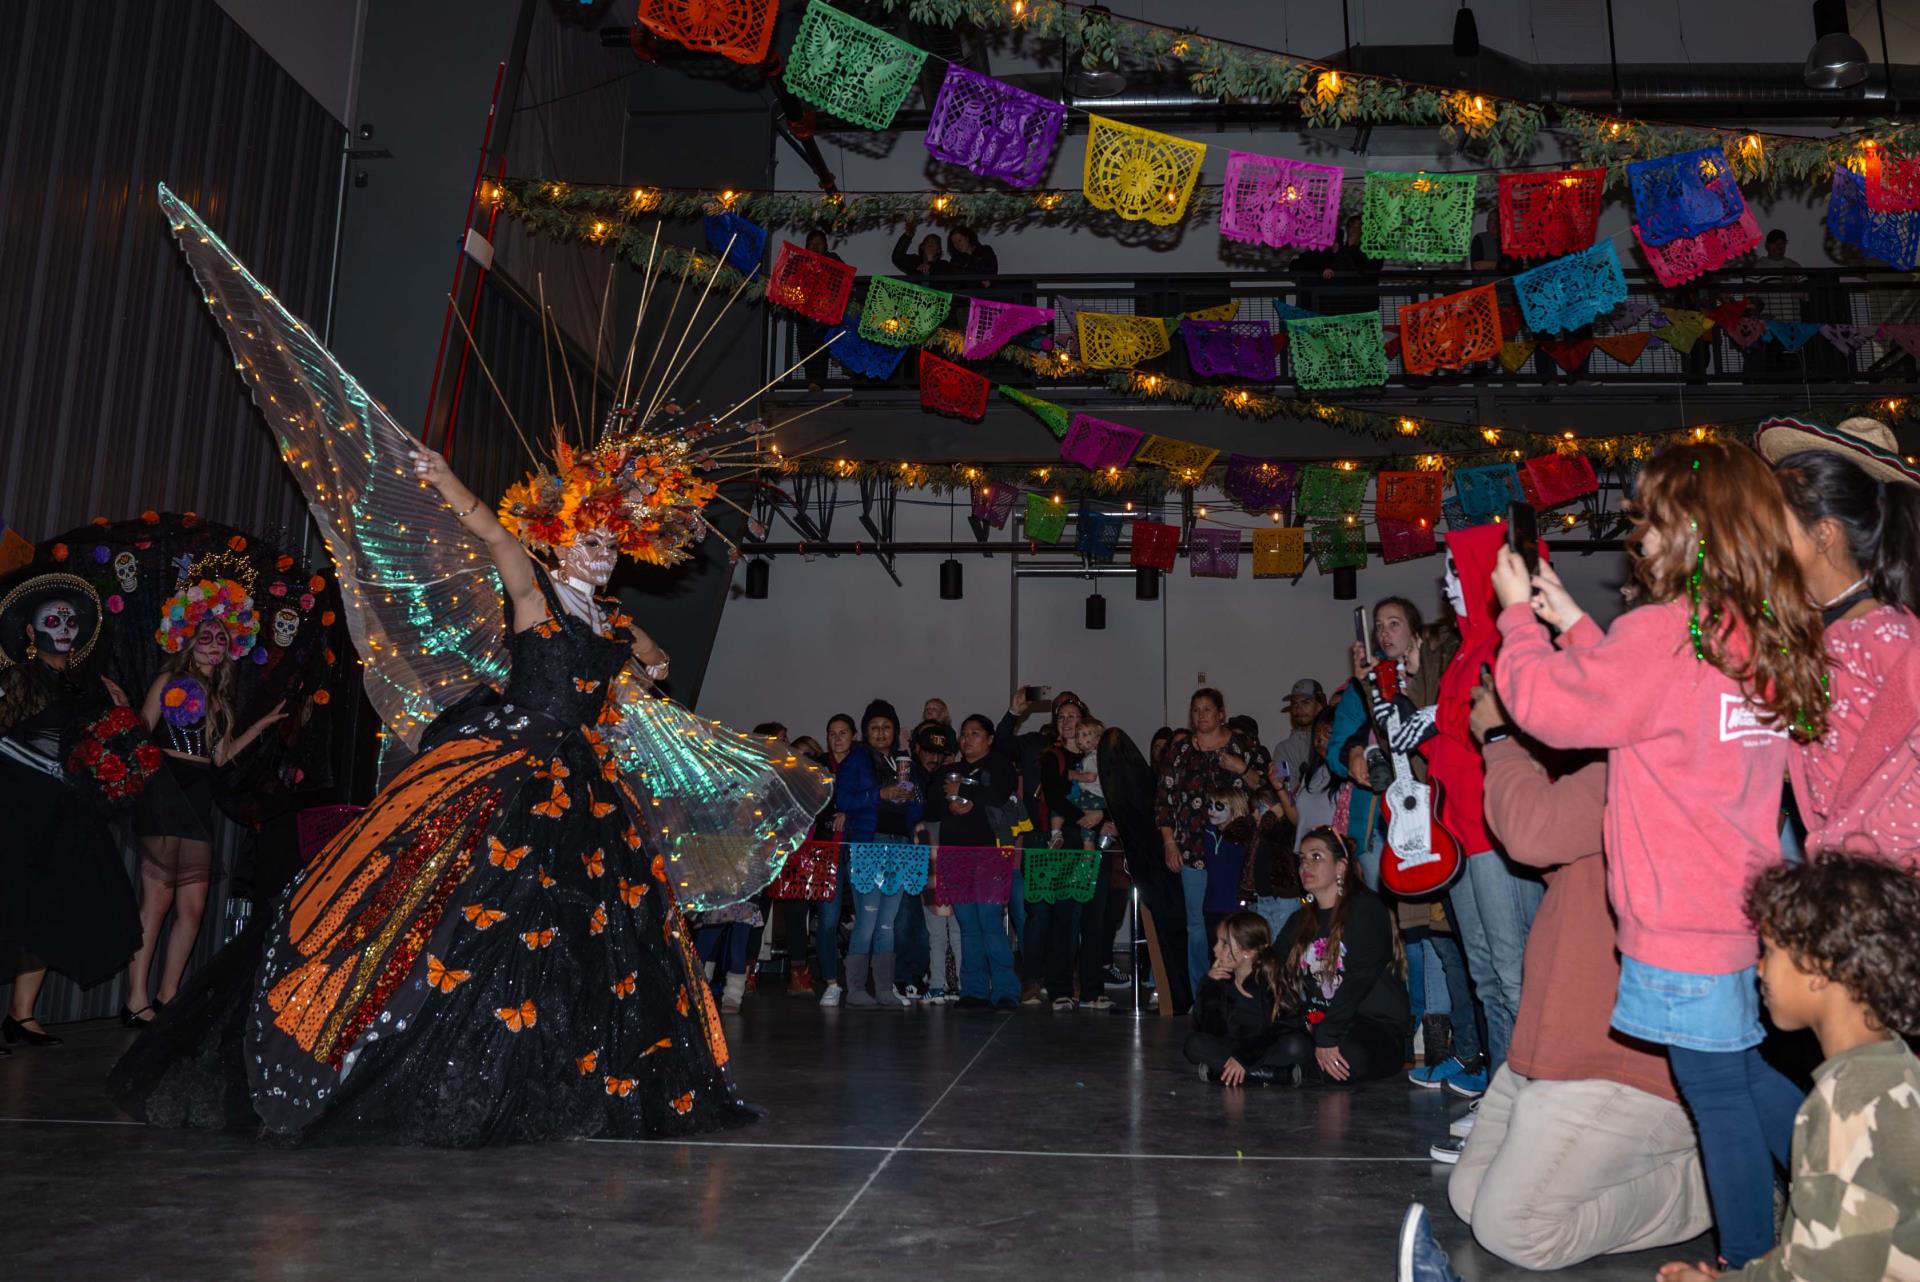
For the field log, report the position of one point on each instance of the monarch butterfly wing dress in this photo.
(494, 950)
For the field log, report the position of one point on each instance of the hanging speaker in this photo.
(1466, 34)
(757, 570)
(1146, 584)
(1096, 613)
(1346, 583)
(950, 580)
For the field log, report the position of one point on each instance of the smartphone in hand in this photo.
(1523, 534)
(1360, 628)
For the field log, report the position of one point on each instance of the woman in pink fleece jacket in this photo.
(1693, 694)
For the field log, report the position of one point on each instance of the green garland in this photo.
(1504, 127)
(605, 216)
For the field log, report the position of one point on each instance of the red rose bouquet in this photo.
(110, 758)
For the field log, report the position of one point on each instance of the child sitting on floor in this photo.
(1236, 1016)
(1838, 958)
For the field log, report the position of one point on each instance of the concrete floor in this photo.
(927, 1144)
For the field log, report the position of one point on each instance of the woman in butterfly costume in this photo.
(494, 950)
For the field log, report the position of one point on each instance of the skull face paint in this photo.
(56, 626)
(589, 558)
(1456, 596)
(210, 643)
(286, 623)
(127, 570)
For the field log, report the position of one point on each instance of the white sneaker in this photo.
(832, 996)
(1447, 1151)
(1462, 1126)
(1419, 1043)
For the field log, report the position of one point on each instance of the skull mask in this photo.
(127, 570)
(56, 626)
(285, 624)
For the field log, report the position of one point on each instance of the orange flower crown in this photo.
(646, 491)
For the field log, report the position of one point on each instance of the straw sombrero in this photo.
(1867, 441)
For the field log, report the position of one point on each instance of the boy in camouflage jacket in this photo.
(1839, 959)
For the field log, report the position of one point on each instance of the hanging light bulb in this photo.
(1466, 34)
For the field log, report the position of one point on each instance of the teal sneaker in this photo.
(1468, 1085)
(1434, 1076)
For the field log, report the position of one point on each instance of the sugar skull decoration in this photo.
(286, 624)
(127, 570)
(217, 589)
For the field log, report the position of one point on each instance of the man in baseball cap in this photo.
(1303, 704)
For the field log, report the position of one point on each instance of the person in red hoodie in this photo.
(1693, 695)
(1493, 902)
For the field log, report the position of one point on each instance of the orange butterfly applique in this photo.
(609, 768)
(595, 862)
(545, 880)
(633, 837)
(555, 769)
(621, 1086)
(631, 893)
(660, 1045)
(659, 868)
(556, 803)
(500, 857)
(584, 686)
(483, 917)
(548, 628)
(684, 1104)
(681, 1004)
(624, 987)
(440, 976)
(536, 939)
(519, 1017)
(588, 1062)
(598, 922)
(600, 809)
(619, 619)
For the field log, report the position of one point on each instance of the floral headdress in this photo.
(645, 490)
(214, 587)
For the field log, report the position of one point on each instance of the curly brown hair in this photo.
(1849, 918)
(1722, 517)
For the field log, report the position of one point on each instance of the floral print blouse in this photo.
(1186, 775)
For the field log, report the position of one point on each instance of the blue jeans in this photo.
(826, 931)
(1193, 887)
(1743, 1109)
(911, 946)
(1492, 906)
(1275, 910)
(986, 959)
(873, 923)
(1017, 907)
(707, 941)
(1462, 1010)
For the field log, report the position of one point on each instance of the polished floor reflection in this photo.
(913, 1146)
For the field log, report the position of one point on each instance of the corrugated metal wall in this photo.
(117, 392)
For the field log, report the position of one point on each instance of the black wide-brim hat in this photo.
(24, 598)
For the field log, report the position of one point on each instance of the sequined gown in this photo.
(489, 954)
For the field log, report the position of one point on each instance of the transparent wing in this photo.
(422, 597)
(423, 600)
(727, 807)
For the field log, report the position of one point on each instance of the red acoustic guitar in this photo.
(1422, 858)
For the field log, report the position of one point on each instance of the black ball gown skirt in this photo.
(65, 899)
(489, 954)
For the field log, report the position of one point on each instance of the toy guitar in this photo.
(1422, 858)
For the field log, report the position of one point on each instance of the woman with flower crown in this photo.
(207, 626)
(494, 950)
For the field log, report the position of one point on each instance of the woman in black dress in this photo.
(207, 626)
(64, 898)
(492, 951)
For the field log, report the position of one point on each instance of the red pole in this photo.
(459, 269)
